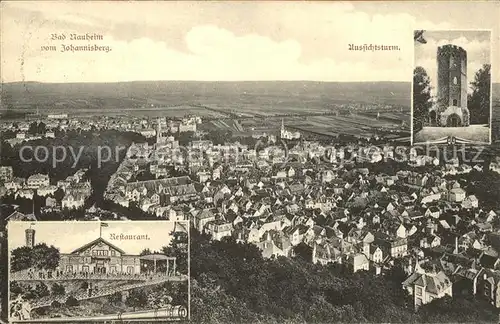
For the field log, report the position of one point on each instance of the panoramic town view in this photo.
(248, 195)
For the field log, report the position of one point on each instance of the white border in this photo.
(412, 140)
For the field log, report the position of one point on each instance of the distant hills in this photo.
(297, 95)
(20, 94)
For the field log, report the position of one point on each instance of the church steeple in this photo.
(158, 130)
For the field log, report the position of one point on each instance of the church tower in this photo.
(159, 132)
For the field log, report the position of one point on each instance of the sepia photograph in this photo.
(98, 271)
(249, 162)
(452, 87)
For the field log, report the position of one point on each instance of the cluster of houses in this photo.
(279, 198)
(362, 220)
(60, 122)
(75, 190)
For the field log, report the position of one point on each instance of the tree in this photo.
(303, 252)
(179, 249)
(15, 288)
(421, 97)
(479, 99)
(21, 258)
(72, 301)
(55, 304)
(136, 298)
(41, 290)
(115, 298)
(145, 252)
(45, 257)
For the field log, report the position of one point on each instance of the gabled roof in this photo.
(97, 241)
(17, 216)
(488, 261)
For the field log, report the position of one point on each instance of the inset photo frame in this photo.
(452, 87)
(98, 271)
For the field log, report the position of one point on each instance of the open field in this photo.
(260, 98)
(236, 106)
(331, 125)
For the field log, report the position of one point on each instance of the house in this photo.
(456, 195)
(50, 202)
(466, 280)
(46, 191)
(38, 180)
(14, 184)
(99, 256)
(470, 202)
(489, 261)
(325, 253)
(296, 233)
(427, 285)
(274, 245)
(219, 229)
(376, 254)
(73, 201)
(201, 218)
(394, 247)
(430, 241)
(357, 262)
(495, 166)
(433, 211)
(6, 173)
(488, 286)
(18, 216)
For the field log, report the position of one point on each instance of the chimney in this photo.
(456, 245)
(30, 237)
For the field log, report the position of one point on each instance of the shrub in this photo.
(72, 301)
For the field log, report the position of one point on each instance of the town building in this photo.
(6, 173)
(38, 180)
(427, 285)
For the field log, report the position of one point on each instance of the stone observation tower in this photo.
(451, 107)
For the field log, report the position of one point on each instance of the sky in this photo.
(477, 44)
(227, 41)
(70, 235)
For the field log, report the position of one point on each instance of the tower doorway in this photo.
(432, 118)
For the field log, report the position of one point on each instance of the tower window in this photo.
(455, 81)
(454, 102)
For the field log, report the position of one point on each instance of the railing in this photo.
(172, 313)
(25, 276)
(106, 291)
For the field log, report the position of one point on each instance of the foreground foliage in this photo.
(231, 282)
